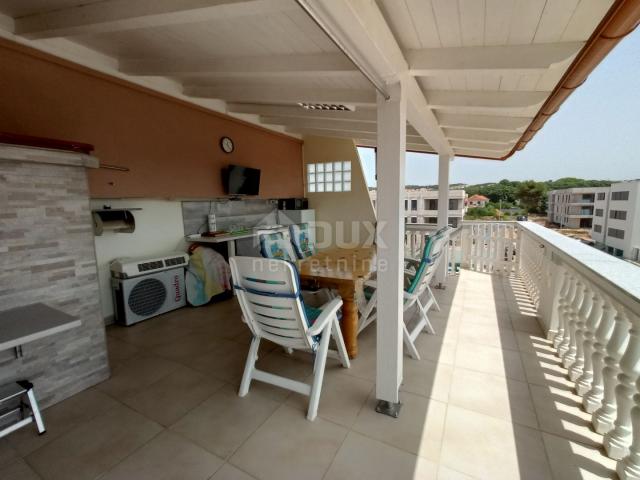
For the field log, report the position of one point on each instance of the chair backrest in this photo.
(428, 263)
(301, 241)
(269, 294)
(276, 245)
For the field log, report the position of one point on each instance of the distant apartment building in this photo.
(616, 221)
(612, 213)
(477, 201)
(421, 205)
(573, 207)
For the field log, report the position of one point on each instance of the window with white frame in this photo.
(329, 177)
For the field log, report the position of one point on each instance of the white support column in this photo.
(443, 211)
(390, 160)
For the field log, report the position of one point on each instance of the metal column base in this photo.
(388, 408)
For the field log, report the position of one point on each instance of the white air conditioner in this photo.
(144, 288)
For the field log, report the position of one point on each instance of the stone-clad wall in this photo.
(47, 255)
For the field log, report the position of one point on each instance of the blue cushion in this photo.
(302, 244)
(274, 245)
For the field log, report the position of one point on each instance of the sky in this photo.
(594, 135)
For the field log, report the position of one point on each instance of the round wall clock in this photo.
(226, 144)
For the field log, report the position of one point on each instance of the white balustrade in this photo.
(629, 467)
(585, 380)
(618, 440)
(567, 311)
(577, 365)
(593, 398)
(490, 247)
(604, 417)
(563, 298)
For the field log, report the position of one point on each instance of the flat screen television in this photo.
(241, 180)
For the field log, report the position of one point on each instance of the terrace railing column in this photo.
(593, 398)
(443, 210)
(604, 417)
(618, 440)
(583, 383)
(390, 159)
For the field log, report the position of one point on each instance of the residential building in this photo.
(573, 207)
(616, 222)
(477, 201)
(421, 205)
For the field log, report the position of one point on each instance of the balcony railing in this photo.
(588, 303)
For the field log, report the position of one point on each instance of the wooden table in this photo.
(344, 269)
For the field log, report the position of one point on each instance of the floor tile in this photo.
(446, 473)
(225, 362)
(560, 413)
(229, 472)
(171, 397)
(186, 347)
(426, 378)
(543, 368)
(526, 323)
(7, 452)
(417, 430)
(493, 395)
(493, 360)
(436, 349)
(489, 448)
(574, 461)
(491, 335)
(224, 421)
(119, 350)
(288, 446)
(532, 343)
(341, 400)
(95, 446)
(135, 374)
(18, 469)
(166, 457)
(61, 418)
(360, 457)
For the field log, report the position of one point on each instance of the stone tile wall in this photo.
(47, 255)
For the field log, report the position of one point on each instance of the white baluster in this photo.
(570, 356)
(629, 467)
(562, 300)
(563, 346)
(618, 440)
(593, 399)
(585, 309)
(604, 417)
(583, 383)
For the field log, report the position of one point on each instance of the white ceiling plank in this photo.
(401, 23)
(424, 16)
(525, 19)
(483, 146)
(585, 19)
(555, 17)
(497, 21)
(118, 15)
(476, 152)
(362, 30)
(327, 123)
(325, 64)
(372, 135)
(497, 100)
(360, 114)
(448, 21)
(275, 94)
(482, 136)
(484, 122)
(414, 147)
(498, 59)
(472, 20)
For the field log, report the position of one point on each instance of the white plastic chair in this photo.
(417, 286)
(269, 294)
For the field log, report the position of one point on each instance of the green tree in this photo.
(532, 195)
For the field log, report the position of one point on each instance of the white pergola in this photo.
(450, 77)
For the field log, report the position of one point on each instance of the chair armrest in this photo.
(329, 312)
(371, 283)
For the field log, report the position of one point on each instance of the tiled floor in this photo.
(488, 400)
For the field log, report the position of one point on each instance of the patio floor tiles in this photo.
(488, 400)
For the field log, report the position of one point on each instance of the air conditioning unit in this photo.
(145, 287)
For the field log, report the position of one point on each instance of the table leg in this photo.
(232, 248)
(349, 324)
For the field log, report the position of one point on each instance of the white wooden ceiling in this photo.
(478, 70)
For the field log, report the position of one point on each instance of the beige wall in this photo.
(348, 212)
(170, 147)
